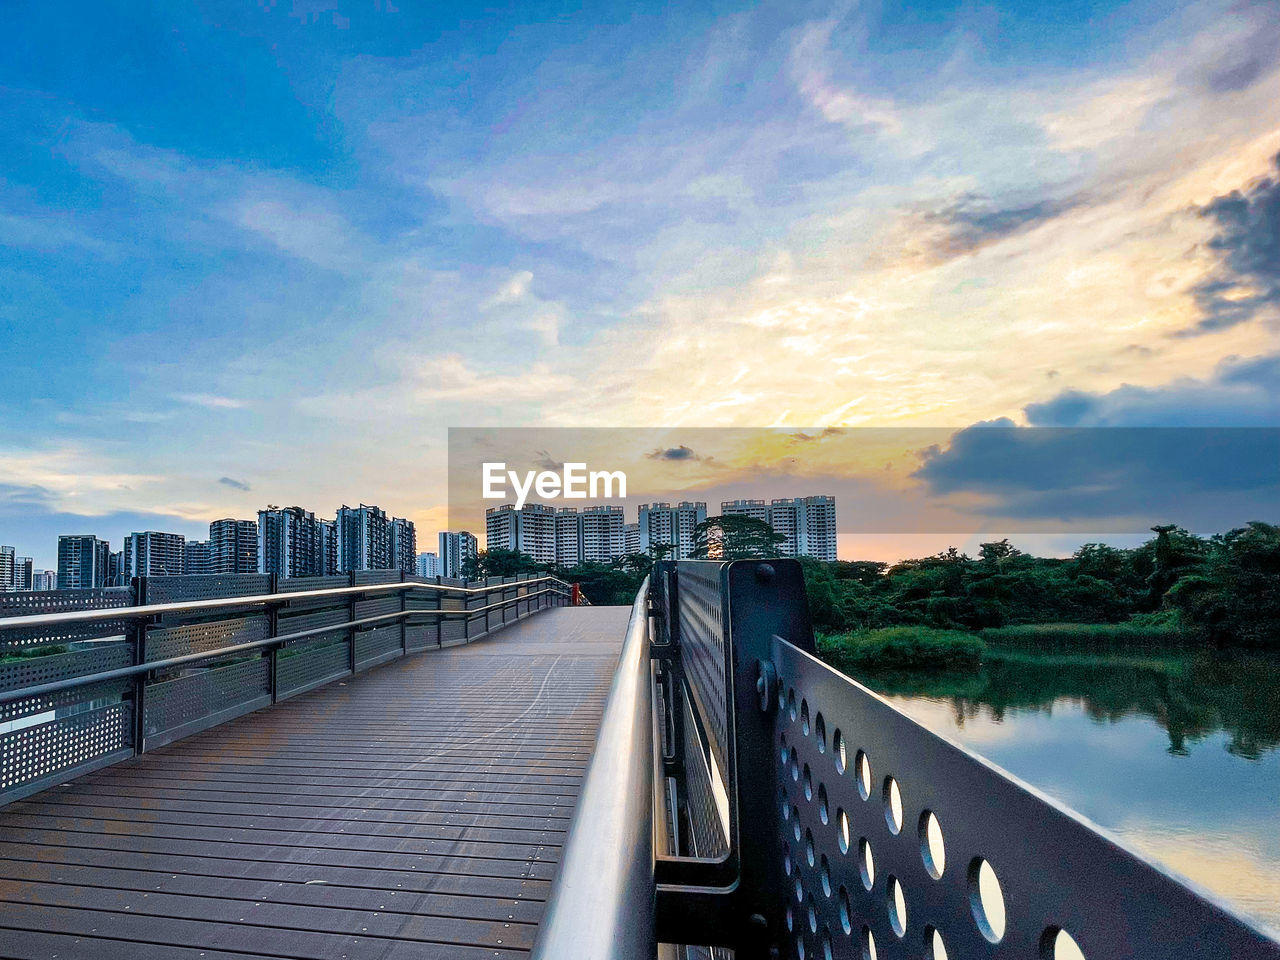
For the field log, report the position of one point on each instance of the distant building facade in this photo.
(44, 580)
(197, 558)
(602, 536)
(662, 525)
(328, 547)
(82, 562)
(455, 547)
(364, 538)
(24, 569)
(233, 546)
(808, 524)
(404, 546)
(153, 553)
(289, 542)
(631, 538)
(116, 573)
(428, 565)
(7, 562)
(568, 537)
(531, 530)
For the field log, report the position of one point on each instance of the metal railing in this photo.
(602, 904)
(83, 688)
(803, 816)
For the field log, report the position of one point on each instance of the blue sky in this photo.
(261, 252)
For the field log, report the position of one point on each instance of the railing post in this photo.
(137, 633)
(351, 615)
(439, 616)
(765, 600)
(273, 630)
(404, 627)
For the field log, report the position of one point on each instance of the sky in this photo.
(268, 252)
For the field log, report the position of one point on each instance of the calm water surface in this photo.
(1178, 755)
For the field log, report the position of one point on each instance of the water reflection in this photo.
(1177, 753)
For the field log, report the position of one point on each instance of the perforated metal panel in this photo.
(74, 663)
(214, 586)
(206, 637)
(707, 837)
(703, 648)
(378, 606)
(31, 603)
(364, 577)
(857, 775)
(36, 753)
(185, 701)
(376, 645)
(310, 663)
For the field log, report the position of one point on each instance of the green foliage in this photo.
(17, 654)
(901, 648)
(1175, 588)
(1144, 630)
(499, 563)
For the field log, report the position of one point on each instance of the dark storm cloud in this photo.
(234, 484)
(1240, 392)
(1203, 478)
(1248, 243)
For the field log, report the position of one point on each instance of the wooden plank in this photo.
(413, 811)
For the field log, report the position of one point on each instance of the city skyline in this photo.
(752, 214)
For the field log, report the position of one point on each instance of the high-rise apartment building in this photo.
(531, 530)
(602, 536)
(568, 537)
(808, 524)
(328, 547)
(116, 574)
(44, 580)
(82, 562)
(152, 553)
(364, 538)
(197, 558)
(428, 565)
(23, 573)
(662, 525)
(455, 548)
(233, 546)
(631, 538)
(404, 546)
(7, 561)
(755, 509)
(289, 542)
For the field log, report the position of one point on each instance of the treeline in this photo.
(1222, 590)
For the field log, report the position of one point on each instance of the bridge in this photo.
(378, 766)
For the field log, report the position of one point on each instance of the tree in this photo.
(498, 563)
(735, 537)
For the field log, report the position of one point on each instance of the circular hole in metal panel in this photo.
(932, 849)
(866, 864)
(1057, 944)
(986, 899)
(897, 903)
(862, 769)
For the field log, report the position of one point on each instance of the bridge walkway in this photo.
(416, 810)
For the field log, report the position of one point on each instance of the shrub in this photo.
(901, 648)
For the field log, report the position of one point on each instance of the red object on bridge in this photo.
(577, 595)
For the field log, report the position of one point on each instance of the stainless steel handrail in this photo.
(56, 686)
(222, 603)
(602, 901)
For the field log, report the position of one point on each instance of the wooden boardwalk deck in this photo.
(417, 810)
